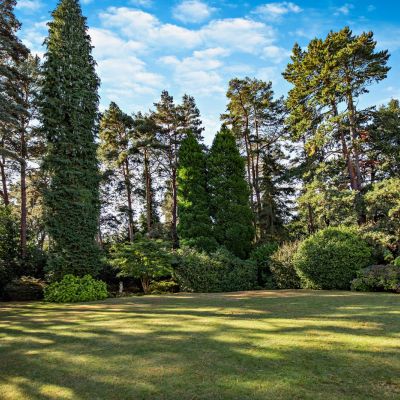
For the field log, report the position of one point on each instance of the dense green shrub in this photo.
(331, 258)
(72, 289)
(144, 259)
(24, 288)
(282, 268)
(159, 287)
(378, 278)
(8, 247)
(261, 256)
(217, 272)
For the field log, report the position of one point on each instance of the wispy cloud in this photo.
(29, 5)
(344, 10)
(194, 11)
(275, 11)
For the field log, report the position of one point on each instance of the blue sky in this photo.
(196, 46)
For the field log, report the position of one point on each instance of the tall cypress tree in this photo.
(194, 226)
(230, 207)
(69, 110)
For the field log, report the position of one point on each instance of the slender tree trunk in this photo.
(174, 233)
(354, 137)
(129, 198)
(24, 157)
(345, 151)
(149, 200)
(4, 181)
(23, 228)
(256, 174)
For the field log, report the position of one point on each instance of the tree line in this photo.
(279, 169)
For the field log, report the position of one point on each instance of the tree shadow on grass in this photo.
(225, 346)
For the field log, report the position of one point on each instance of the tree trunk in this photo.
(4, 192)
(149, 200)
(145, 284)
(23, 227)
(129, 198)
(345, 151)
(174, 233)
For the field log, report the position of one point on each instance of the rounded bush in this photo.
(331, 258)
(220, 271)
(72, 289)
(378, 278)
(282, 268)
(24, 288)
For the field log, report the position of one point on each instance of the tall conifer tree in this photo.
(194, 226)
(69, 110)
(230, 208)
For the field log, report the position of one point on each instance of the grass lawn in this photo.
(248, 345)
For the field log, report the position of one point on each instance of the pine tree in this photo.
(116, 152)
(68, 107)
(230, 208)
(189, 117)
(194, 227)
(12, 107)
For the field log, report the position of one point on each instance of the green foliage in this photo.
(384, 135)
(378, 278)
(72, 289)
(396, 262)
(12, 53)
(68, 106)
(160, 287)
(8, 247)
(229, 191)
(261, 256)
(282, 266)
(24, 288)
(331, 258)
(144, 259)
(383, 210)
(194, 228)
(217, 272)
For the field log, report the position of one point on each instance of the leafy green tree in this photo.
(383, 210)
(257, 120)
(148, 149)
(68, 106)
(328, 78)
(383, 140)
(229, 191)
(116, 152)
(173, 123)
(194, 228)
(144, 259)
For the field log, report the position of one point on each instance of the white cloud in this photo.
(275, 54)
(192, 11)
(275, 11)
(31, 5)
(140, 25)
(132, 75)
(107, 44)
(239, 34)
(200, 73)
(344, 10)
(34, 36)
